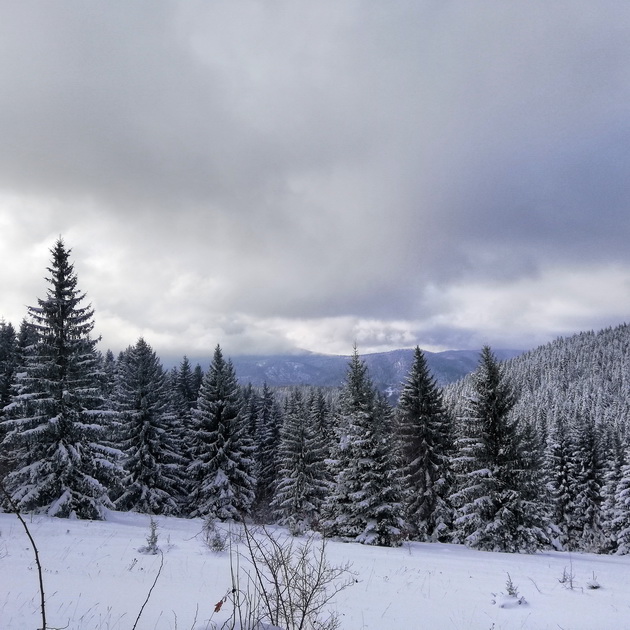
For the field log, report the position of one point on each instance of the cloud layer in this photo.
(274, 175)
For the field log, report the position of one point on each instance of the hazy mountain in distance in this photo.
(387, 369)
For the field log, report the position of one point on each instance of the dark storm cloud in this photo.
(264, 164)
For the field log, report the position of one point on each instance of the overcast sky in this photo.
(273, 175)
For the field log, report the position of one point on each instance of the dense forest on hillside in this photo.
(520, 455)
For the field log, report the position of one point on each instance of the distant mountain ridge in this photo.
(388, 370)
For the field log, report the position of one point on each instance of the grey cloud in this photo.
(317, 160)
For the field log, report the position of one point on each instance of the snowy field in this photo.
(95, 578)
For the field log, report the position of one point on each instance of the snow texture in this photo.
(96, 579)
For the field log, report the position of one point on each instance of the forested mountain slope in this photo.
(572, 404)
(585, 375)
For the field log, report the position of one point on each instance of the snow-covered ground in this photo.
(95, 578)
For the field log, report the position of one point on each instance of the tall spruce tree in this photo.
(251, 402)
(267, 440)
(365, 503)
(425, 446)
(620, 522)
(184, 400)
(322, 417)
(8, 362)
(586, 482)
(197, 379)
(559, 489)
(302, 481)
(221, 469)
(8, 367)
(494, 508)
(108, 378)
(153, 481)
(614, 462)
(56, 430)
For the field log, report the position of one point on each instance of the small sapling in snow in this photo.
(151, 548)
(593, 583)
(567, 579)
(217, 541)
(511, 597)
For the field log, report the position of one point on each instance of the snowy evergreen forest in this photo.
(521, 455)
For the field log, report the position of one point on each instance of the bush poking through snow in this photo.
(593, 583)
(151, 548)
(510, 588)
(567, 579)
(511, 597)
(217, 541)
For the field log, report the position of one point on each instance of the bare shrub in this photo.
(281, 582)
(567, 579)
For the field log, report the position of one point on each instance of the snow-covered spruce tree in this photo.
(8, 361)
(494, 507)
(221, 470)
(614, 462)
(251, 401)
(425, 445)
(302, 481)
(153, 481)
(197, 379)
(557, 469)
(620, 523)
(108, 378)
(56, 425)
(27, 341)
(184, 399)
(8, 368)
(321, 416)
(586, 532)
(365, 502)
(267, 439)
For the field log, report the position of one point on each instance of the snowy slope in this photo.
(96, 579)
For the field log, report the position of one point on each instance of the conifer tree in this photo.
(382, 500)
(425, 444)
(107, 379)
(558, 466)
(186, 391)
(364, 503)
(27, 340)
(614, 463)
(321, 416)
(55, 432)
(266, 465)
(184, 400)
(221, 469)
(8, 368)
(8, 362)
(586, 481)
(153, 481)
(621, 520)
(251, 402)
(302, 485)
(494, 510)
(197, 379)
(356, 398)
